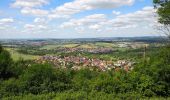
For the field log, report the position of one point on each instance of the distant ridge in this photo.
(98, 39)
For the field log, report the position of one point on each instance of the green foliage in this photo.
(157, 72)
(48, 96)
(19, 67)
(5, 64)
(163, 11)
(1, 48)
(149, 79)
(78, 95)
(43, 78)
(10, 87)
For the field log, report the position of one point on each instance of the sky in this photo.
(28, 19)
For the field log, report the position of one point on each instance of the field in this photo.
(104, 44)
(104, 68)
(49, 47)
(120, 50)
(71, 45)
(54, 46)
(16, 55)
(87, 45)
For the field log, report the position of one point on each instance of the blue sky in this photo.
(76, 18)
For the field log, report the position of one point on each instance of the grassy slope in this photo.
(16, 56)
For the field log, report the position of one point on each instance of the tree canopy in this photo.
(163, 11)
(5, 64)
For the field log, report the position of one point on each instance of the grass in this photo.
(53, 46)
(103, 44)
(72, 45)
(50, 47)
(16, 56)
(88, 45)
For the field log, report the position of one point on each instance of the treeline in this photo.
(27, 80)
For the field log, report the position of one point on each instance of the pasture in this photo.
(16, 55)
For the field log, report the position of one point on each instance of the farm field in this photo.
(102, 50)
(71, 45)
(49, 47)
(16, 55)
(94, 60)
(104, 44)
(84, 49)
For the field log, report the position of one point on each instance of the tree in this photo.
(0, 48)
(37, 78)
(163, 11)
(40, 78)
(163, 77)
(5, 64)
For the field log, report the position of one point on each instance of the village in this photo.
(77, 63)
(89, 50)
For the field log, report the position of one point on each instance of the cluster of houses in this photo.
(133, 45)
(77, 63)
(89, 50)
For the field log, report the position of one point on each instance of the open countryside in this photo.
(85, 50)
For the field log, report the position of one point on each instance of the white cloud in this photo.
(6, 20)
(80, 29)
(40, 21)
(38, 24)
(32, 7)
(29, 26)
(56, 15)
(42, 27)
(107, 3)
(29, 3)
(100, 22)
(146, 15)
(34, 12)
(116, 12)
(81, 5)
(95, 23)
(34, 27)
(6, 24)
(95, 27)
(88, 20)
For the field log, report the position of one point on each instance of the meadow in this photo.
(17, 56)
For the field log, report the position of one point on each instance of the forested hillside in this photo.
(27, 80)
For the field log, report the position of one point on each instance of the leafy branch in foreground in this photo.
(163, 11)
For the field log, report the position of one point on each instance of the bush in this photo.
(44, 79)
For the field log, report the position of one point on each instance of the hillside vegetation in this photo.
(23, 79)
